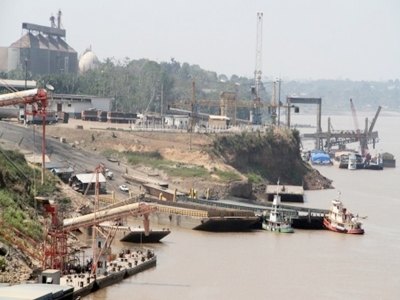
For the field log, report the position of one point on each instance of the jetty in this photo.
(302, 217)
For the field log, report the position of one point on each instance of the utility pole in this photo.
(273, 103)
(162, 105)
(193, 104)
(279, 102)
(26, 86)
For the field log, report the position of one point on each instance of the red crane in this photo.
(55, 248)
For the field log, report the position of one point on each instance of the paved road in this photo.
(29, 139)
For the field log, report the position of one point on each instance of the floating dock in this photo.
(227, 224)
(302, 217)
(138, 234)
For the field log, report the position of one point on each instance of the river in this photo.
(305, 265)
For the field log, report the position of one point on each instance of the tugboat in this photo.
(340, 220)
(276, 220)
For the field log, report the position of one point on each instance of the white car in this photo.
(124, 188)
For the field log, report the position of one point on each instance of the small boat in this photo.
(319, 157)
(352, 162)
(276, 219)
(343, 161)
(340, 220)
(373, 162)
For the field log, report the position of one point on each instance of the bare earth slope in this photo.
(181, 147)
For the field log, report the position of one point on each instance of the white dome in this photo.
(88, 61)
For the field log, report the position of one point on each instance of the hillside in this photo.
(201, 161)
(20, 231)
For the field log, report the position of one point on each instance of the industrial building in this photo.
(59, 104)
(41, 50)
(75, 104)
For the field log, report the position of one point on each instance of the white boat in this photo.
(352, 162)
(276, 220)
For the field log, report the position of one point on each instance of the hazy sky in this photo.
(302, 39)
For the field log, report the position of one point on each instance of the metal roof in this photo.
(34, 291)
(40, 41)
(90, 177)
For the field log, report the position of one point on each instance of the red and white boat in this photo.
(340, 220)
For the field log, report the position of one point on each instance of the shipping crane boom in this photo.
(25, 97)
(354, 113)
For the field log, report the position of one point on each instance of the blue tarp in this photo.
(320, 158)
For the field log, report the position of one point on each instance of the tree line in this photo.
(144, 86)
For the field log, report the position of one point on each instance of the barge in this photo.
(138, 234)
(127, 263)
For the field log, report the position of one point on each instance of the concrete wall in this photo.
(102, 103)
(13, 59)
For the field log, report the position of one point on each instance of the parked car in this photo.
(124, 188)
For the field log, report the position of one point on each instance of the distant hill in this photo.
(335, 94)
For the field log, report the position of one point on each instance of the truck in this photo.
(108, 174)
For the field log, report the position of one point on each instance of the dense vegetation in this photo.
(19, 184)
(139, 85)
(142, 85)
(273, 155)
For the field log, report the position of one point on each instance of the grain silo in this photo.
(43, 50)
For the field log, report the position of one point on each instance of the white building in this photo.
(177, 121)
(75, 104)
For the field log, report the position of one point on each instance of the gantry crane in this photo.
(363, 139)
(227, 104)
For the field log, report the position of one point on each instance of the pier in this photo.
(302, 217)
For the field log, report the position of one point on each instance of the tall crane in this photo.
(37, 98)
(258, 67)
(258, 70)
(357, 128)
